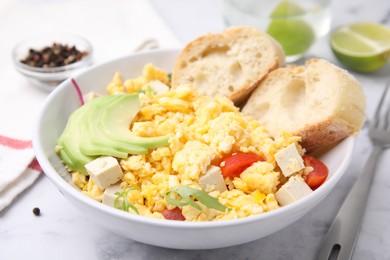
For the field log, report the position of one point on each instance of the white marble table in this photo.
(62, 231)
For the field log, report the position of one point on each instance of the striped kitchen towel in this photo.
(114, 28)
(18, 168)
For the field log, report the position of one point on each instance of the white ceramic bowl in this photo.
(172, 234)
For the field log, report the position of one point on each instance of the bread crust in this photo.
(228, 64)
(324, 133)
(336, 112)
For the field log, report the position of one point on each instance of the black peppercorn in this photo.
(53, 56)
(36, 211)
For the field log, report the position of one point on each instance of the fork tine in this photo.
(382, 110)
(387, 109)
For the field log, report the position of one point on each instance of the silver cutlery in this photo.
(341, 238)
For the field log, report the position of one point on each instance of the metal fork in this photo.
(341, 238)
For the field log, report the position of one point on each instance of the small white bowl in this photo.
(165, 233)
(49, 78)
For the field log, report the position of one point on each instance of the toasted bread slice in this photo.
(228, 64)
(319, 102)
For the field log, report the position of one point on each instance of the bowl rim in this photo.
(52, 71)
(63, 185)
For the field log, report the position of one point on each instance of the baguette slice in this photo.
(228, 64)
(319, 102)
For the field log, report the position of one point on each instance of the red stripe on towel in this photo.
(15, 143)
(35, 165)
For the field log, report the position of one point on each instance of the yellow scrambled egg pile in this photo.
(204, 130)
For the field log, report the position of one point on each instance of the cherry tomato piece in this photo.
(235, 164)
(318, 175)
(173, 214)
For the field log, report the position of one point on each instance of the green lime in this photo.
(294, 34)
(363, 46)
(287, 8)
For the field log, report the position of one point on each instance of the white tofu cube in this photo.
(158, 86)
(104, 171)
(89, 96)
(294, 189)
(109, 195)
(213, 180)
(289, 160)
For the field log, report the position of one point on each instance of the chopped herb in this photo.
(189, 194)
(125, 205)
(149, 91)
(169, 77)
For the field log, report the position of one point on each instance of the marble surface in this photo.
(62, 231)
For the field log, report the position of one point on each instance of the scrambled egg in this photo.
(203, 130)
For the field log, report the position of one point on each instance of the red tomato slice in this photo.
(235, 164)
(318, 175)
(173, 214)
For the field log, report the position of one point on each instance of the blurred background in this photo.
(206, 16)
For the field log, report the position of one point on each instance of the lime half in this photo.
(294, 34)
(363, 46)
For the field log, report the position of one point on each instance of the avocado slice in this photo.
(101, 127)
(90, 132)
(95, 141)
(69, 142)
(121, 133)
